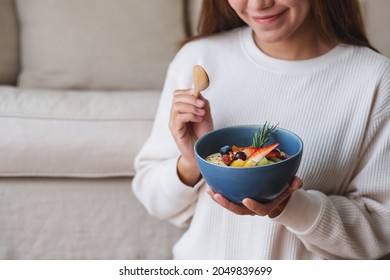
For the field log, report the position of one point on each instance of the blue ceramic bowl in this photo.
(262, 183)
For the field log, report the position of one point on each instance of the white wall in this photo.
(377, 18)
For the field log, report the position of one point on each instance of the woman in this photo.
(308, 66)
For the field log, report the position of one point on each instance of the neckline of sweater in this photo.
(289, 66)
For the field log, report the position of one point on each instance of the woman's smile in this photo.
(266, 19)
(283, 29)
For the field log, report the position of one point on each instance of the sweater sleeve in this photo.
(355, 225)
(156, 183)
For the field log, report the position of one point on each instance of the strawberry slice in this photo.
(250, 150)
(257, 155)
(247, 150)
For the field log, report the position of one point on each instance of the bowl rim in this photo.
(249, 167)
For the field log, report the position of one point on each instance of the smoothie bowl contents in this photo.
(257, 154)
(249, 161)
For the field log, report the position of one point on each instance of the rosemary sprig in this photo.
(264, 135)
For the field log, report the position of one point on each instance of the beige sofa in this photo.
(79, 86)
(80, 82)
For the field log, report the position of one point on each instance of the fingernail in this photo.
(218, 198)
(199, 102)
(201, 112)
(247, 202)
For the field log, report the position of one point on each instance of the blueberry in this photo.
(240, 155)
(225, 150)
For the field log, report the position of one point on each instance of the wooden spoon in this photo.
(200, 79)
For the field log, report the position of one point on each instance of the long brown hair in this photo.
(337, 21)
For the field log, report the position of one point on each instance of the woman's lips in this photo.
(268, 19)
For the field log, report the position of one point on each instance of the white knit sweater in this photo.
(338, 103)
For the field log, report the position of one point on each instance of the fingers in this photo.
(296, 183)
(187, 97)
(256, 207)
(189, 116)
(237, 209)
(186, 108)
(252, 207)
(276, 206)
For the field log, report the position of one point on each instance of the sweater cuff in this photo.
(302, 211)
(173, 187)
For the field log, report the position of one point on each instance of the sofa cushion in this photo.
(9, 55)
(98, 44)
(73, 133)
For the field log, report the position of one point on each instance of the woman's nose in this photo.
(260, 4)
